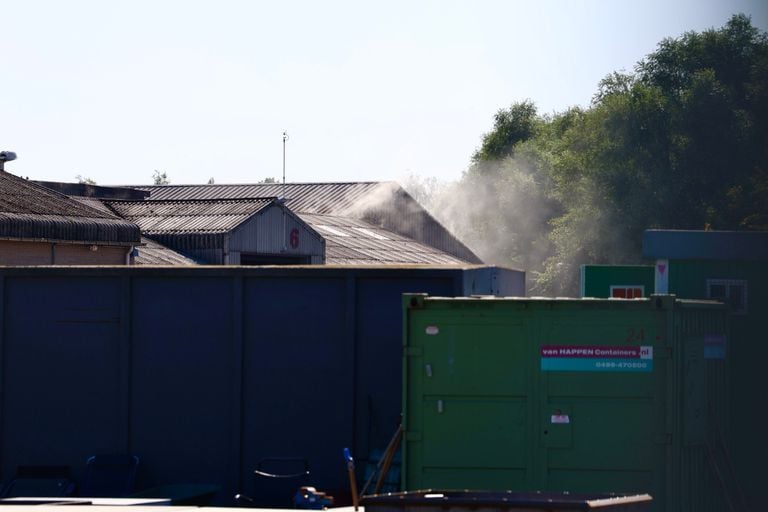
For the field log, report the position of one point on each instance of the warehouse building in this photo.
(39, 226)
(362, 222)
(359, 223)
(259, 231)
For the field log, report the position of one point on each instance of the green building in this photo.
(731, 266)
(617, 281)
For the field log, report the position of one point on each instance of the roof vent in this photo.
(6, 156)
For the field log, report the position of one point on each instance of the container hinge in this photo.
(662, 352)
(662, 439)
(413, 436)
(413, 351)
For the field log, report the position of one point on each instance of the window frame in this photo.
(727, 284)
(627, 287)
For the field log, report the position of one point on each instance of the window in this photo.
(731, 291)
(627, 291)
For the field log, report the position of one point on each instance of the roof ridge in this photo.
(204, 200)
(178, 185)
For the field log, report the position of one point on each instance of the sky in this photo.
(366, 90)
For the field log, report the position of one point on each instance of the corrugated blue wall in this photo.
(202, 372)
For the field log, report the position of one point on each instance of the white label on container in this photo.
(432, 330)
(561, 418)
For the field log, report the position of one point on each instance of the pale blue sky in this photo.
(367, 90)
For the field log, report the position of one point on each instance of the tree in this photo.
(160, 178)
(511, 126)
(679, 144)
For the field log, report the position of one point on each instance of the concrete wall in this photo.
(25, 253)
(84, 255)
(203, 372)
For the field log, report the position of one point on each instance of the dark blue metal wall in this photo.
(202, 372)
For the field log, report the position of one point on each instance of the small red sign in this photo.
(294, 238)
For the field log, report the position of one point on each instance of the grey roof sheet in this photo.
(153, 253)
(96, 204)
(189, 216)
(31, 211)
(320, 198)
(355, 242)
(384, 204)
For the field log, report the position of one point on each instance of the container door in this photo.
(599, 403)
(469, 388)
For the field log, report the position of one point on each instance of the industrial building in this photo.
(359, 223)
(259, 231)
(39, 226)
(728, 266)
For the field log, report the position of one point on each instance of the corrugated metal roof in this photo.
(189, 216)
(96, 204)
(153, 253)
(31, 211)
(383, 204)
(320, 198)
(355, 242)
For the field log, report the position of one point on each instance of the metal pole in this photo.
(285, 234)
(285, 138)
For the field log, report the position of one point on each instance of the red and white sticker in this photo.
(560, 419)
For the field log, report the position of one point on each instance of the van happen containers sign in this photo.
(596, 358)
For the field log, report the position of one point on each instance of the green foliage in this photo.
(511, 126)
(160, 178)
(682, 143)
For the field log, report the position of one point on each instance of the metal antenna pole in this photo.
(285, 235)
(285, 138)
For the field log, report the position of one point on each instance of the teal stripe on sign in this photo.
(573, 364)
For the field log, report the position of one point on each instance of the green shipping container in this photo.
(579, 395)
